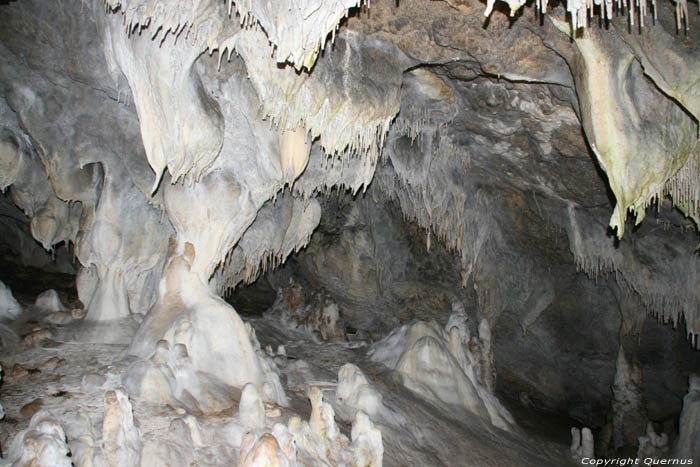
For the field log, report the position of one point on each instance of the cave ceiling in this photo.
(522, 141)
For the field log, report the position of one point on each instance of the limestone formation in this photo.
(627, 409)
(355, 391)
(359, 169)
(439, 365)
(582, 444)
(652, 444)
(49, 301)
(42, 443)
(686, 445)
(121, 445)
(9, 307)
(251, 410)
(317, 315)
(263, 451)
(366, 448)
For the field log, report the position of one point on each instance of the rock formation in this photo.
(687, 446)
(401, 159)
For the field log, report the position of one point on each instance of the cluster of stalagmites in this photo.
(44, 442)
(256, 436)
(650, 444)
(447, 366)
(317, 316)
(169, 378)
(315, 441)
(221, 205)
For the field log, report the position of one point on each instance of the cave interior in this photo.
(458, 233)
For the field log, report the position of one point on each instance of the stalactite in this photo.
(582, 10)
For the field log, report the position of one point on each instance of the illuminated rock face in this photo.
(442, 365)
(177, 151)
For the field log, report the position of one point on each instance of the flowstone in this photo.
(438, 365)
(212, 339)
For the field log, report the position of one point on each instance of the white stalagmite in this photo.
(367, 449)
(9, 307)
(49, 300)
(121, 445)
(575, 448)
(356, 392)
(587, 443)
(325, 434)
(652, 445)
(687, 445)
(215, 344)
(582, 444)
(153, 380)
(42, 443)
(438, 364)
(261, 452)
(251, 410)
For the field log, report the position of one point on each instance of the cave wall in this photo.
(556, 339)
(488, 102)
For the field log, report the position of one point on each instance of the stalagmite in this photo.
(42, 443)
(653, 445)
(627, 408)
(9, 307)
(121, 445)
(689, 424)
(356, 392)
(49, 301)
(251, 411)
(366, 448)
(265, 451)
(178, 158)
(438, 365)
(582, 445)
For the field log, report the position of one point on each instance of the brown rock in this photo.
(28, 410)
(37, 336)
(78, 313)
(266, 451)
(18, 371)
(50, 364)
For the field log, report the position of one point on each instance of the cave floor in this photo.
(48, 367)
